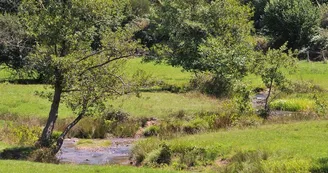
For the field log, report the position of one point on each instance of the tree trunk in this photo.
(324, 57)
(45, 139)
(266, 106)
(61, 138)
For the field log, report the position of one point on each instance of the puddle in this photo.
(117, 153)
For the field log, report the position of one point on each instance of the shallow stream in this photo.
(117, 153)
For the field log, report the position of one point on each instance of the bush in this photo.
(142, 148)
(209, 84)
(247, 161)
(187, 156)
(292, 21)
(44, 155)
(20, 134)
(195, 126)
(158, 157)
(151, 131)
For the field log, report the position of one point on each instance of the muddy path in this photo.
(117, 153)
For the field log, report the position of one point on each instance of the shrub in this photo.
(247, 161)
(151, 131)
(142, 148)
(44, 155)
(20, 134)
(160, 156)
(124, 129)
(195, 126)
(209, 84)
(187, 156)
(292, 21)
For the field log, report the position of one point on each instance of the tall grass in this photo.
(293, 105)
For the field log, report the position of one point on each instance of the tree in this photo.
(292, 21)
(273, 67)
(201, 35)
(14, 43)
(79, 48)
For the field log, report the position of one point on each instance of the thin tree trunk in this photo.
(45, 138)
(324, 57)
(308, 56)
(266, 106)
(61, 138)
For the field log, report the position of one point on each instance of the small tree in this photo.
(273, 67)
(80, 45)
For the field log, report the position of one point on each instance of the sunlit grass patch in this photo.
(166, 73)
(161, 104)
(92, 143)
(293, 104)
(21, 100)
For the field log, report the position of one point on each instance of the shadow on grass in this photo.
(16, 153)
(320, 166)
(22, 81)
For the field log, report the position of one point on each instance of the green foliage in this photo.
(43, 155)
(20, 134)
(247, 161)
(205, 36)
(79, 50)
(292, 21)
(151, 131)
(14, 44)
(159, 157)
(142, 148)
(272, 67)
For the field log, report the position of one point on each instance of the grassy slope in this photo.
(298, 143)
(162, 104)
(8, 166)
(21, 100)
(168, 74)
(314, 72)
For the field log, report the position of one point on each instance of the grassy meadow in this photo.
(291, 147)
(271, 147)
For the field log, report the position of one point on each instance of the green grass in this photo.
(21, 100)
(91, 143)
(313, 72)
(299, 143)
(302, 104)
(3, 146)
(161, 104)
(8, 166)
(168, 74)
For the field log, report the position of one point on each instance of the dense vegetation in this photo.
(216, 86)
